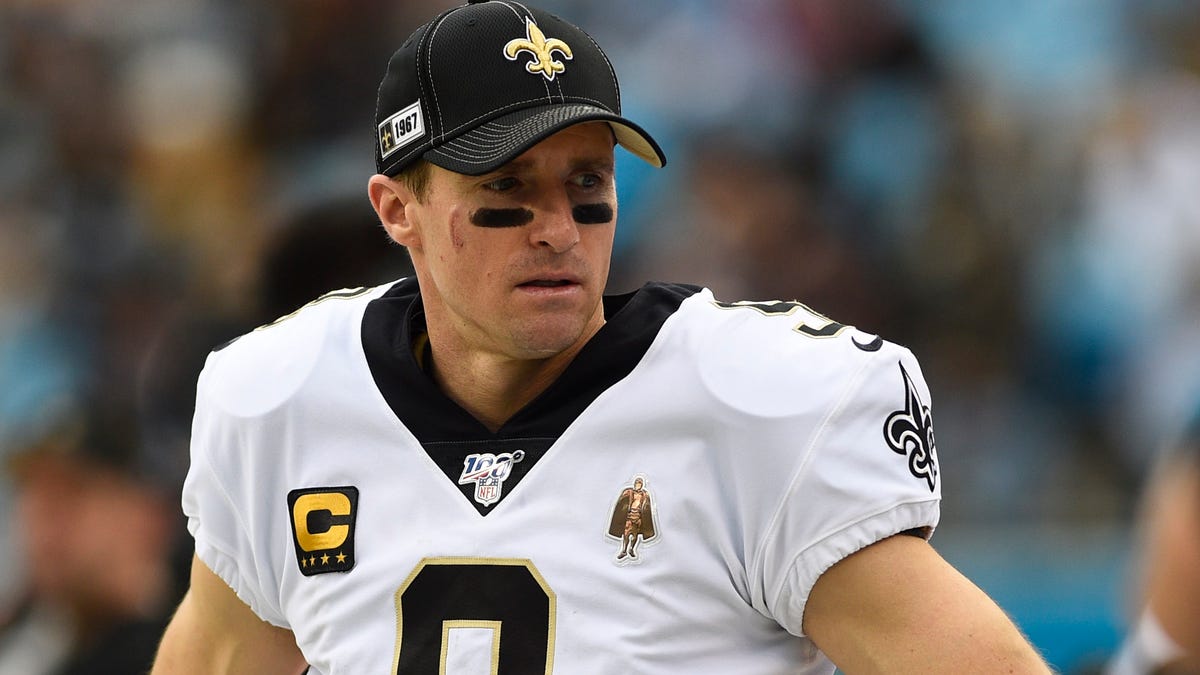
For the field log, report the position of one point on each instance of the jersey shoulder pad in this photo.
(259, 370)
(776, 358)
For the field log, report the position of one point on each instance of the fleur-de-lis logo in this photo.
(910, 432)
(536, 44)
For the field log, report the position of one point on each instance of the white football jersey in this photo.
(665, 507)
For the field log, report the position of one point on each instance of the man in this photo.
(1165, 638)
(96, 536)
(633, 519)
(335, 493)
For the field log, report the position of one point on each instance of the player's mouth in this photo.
(551, 285)
(551, 278)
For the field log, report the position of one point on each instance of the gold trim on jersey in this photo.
(421, 351)
(445, 625)
(493, 626)
(341, 294)
(823, 327)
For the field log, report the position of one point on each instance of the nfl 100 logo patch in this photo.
(488, 471)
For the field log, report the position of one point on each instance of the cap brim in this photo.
(492, 144)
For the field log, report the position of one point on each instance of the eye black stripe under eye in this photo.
(584, 214)
(592, 214)
(501, 217)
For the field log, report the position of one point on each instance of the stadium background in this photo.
(1007, 187)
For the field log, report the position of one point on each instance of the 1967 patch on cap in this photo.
(400, 129)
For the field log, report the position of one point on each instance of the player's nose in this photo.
(554, 226)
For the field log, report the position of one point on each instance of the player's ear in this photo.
(391, 199)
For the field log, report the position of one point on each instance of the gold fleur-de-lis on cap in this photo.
(535, 43)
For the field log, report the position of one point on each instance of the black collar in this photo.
(393, 320)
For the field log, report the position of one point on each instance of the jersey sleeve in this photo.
(870, 472)
(219, 502)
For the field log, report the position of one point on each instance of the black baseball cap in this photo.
(482, 83)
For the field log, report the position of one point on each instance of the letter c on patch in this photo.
(336, 504)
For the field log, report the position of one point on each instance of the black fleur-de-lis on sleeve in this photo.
(909, 432)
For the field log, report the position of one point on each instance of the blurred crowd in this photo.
(1008, 187)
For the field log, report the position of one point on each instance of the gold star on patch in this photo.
(341, 557)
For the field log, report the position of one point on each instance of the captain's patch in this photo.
(323, 528)
(909, 432)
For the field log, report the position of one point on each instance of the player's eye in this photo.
(502, 184)
(588, 180)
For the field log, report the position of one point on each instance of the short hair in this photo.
(415, 177)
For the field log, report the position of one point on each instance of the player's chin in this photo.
(549, 334)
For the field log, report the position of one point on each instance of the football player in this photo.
(428, 476)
